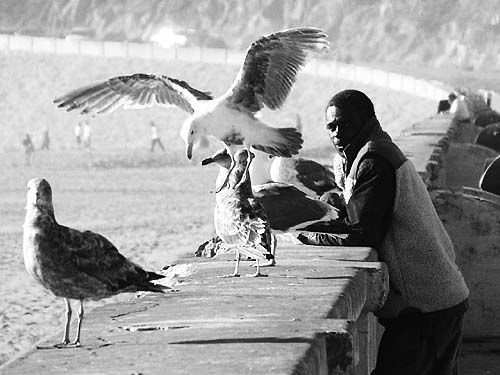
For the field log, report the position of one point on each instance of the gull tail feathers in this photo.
(150, 287)
(283, 142)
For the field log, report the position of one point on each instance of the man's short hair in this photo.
(353, 99)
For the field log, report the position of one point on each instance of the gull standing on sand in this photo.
(240, 220)
(265, 79)
(73, 264)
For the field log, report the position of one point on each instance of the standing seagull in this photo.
(287, 208)
(265, 79)
(73, 264)
(240, 220)
(307, 175)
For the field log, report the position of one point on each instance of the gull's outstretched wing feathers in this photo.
(132, 91)
(94, 255)
(271, 66)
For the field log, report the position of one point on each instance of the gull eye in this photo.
(270, 156)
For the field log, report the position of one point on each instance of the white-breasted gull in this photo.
(265, 78)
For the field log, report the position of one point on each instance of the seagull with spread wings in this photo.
(265, 79)
(73, 264)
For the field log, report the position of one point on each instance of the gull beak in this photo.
(207, 161)
(189, 151)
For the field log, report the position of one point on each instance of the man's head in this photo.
(346, 114)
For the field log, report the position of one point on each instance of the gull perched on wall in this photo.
(265, 79)
(240, 220)
(288, 208)
(307, 175)
(73, 264)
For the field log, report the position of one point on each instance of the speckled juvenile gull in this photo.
(240, 220)
(288, 209)
(74, 264)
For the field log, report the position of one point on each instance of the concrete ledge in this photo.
(465, 163)
(309, 316)
(471, 218)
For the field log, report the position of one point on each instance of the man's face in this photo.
(342, 125)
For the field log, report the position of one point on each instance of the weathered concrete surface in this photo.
(465, 164)
(480, 356)
(436, 125)
(298, 320)
(472, 219)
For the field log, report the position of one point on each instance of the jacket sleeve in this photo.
(369, 210)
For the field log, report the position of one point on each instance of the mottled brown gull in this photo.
(74, 264)
(240, 220)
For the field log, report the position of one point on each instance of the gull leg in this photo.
(68, 322)
(257, 271)
(65, 340)
(270, 262)
(76, 343)
(236, 272)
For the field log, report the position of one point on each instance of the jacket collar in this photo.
(371, 131)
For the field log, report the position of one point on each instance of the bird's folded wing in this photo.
(132, 91)
(331, 227)
(309, 171)
(271, 66)
(96, 256)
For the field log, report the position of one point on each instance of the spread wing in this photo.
(271, 66)
(130, 92)
(96, 256)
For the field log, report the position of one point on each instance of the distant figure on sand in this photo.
(78, 134)
(45, 140)
(29, 148)
(155, 138)
(86, 135)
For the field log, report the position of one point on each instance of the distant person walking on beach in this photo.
(29, 148)
(155, 138)
(86, 135)
(45, 140)
(78, 134)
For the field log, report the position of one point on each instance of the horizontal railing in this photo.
(324, 67)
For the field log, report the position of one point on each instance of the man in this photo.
(45, 139)
(78, 134)
(155, 138)
(29, 148)
(388, 208)
(86, 135)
